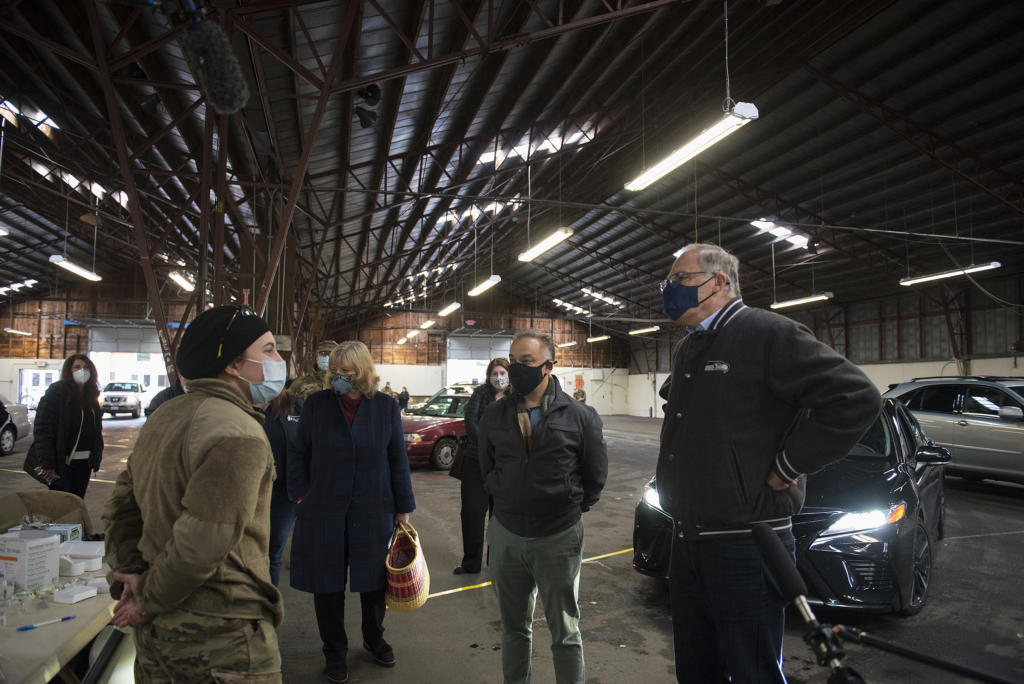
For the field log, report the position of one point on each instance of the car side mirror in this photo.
(932, 455)
(1011, 413)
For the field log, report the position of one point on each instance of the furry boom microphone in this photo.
(208, 52)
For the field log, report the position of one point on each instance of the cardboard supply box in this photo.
(67, 531)
(30, 559)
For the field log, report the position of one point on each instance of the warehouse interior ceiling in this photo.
(412, 148)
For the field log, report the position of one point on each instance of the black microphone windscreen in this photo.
(209, 54)
(779, 562)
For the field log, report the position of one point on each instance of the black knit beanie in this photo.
(216, 338)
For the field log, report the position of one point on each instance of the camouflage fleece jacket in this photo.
(191, 511)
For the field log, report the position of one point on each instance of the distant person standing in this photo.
(580, 395)
(316, 380)
(387, 389)
(475, 501)
(403, 399)
(68, 429)
(281, 419)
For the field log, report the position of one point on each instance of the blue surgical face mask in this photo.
(323, 362)
(679, 299)
(275, 373)
(342, 384)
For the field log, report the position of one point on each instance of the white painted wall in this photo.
(643, 397)
(10, 370)
(607, 388)
(422, 381)
(884, 374)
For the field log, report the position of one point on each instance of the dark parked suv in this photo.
(979, 419)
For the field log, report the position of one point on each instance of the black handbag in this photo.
(458, 463)
(34, 466)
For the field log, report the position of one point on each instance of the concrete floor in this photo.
(975, 614)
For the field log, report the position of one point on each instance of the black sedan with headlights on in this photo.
(866, 534)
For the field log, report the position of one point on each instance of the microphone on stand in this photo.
(819, 637)
(209, 54)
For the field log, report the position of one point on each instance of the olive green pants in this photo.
(183, 648)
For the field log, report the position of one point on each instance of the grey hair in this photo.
(545, 341)
(714, 259)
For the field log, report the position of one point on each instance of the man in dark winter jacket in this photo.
(542, 455)
(755, 401)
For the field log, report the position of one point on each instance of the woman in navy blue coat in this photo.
(349, 476)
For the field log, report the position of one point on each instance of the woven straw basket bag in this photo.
(408, 577)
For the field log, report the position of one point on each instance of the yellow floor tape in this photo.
(487, 584)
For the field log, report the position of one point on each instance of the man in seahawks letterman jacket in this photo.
(755, 401)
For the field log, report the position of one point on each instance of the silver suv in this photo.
(980, 419)
(123, 397)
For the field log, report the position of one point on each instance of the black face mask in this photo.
(524, 379)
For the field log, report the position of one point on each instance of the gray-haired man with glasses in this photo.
(754, 402)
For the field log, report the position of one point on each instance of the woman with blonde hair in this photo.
(349, 476)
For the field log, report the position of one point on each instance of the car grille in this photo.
(866, 574)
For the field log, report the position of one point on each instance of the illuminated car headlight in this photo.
(867, 520)
(652, 498)
(413, 437)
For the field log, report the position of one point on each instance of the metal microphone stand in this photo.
(827, 649)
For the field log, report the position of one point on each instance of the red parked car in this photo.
(435, 431)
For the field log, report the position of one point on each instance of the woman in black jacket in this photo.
(475, 501)
(68, 428)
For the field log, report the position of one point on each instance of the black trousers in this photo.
(475, 503)
(330, 619)
(75, 479)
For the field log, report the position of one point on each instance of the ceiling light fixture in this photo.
(566, 344)
(14, 331)
(181, 281)
(545, 244)
(74, 268)
(643, 331)
(411, 334)
(950, 274)
(454, 306)
(485, 285)
(802, 300)
(738, 116)
(426, 324)
(599, 338)
(403, 340)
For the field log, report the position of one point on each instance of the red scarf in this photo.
(351, 406)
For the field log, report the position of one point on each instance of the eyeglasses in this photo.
(240, 311)
(679, 278)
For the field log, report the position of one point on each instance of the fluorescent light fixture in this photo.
(802, 300)
(74, 268)
(30, 282)
(781, 232)
(14, 331)
(426, 324)
(951, 274)
(566, 344)
(485, 285)
(599, 338)
(403, 340)
(411, 334)
(181, 281)
(454, 306)
(604, 298)
(643, 331)
(741, 114)
(545, 244)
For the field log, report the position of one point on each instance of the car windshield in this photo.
(443, 406)
(874, 445)
(1017, 387)
(121, 387)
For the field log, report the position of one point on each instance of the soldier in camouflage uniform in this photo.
(314, 382)
(580, 395)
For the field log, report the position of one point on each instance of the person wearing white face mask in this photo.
(68, 429)
(189, 519)
(475, 501)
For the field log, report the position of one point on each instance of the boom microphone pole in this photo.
(820, 638)
(209, 54)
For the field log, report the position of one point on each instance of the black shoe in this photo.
(382, 653)
(463, 570)
(336, 672)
